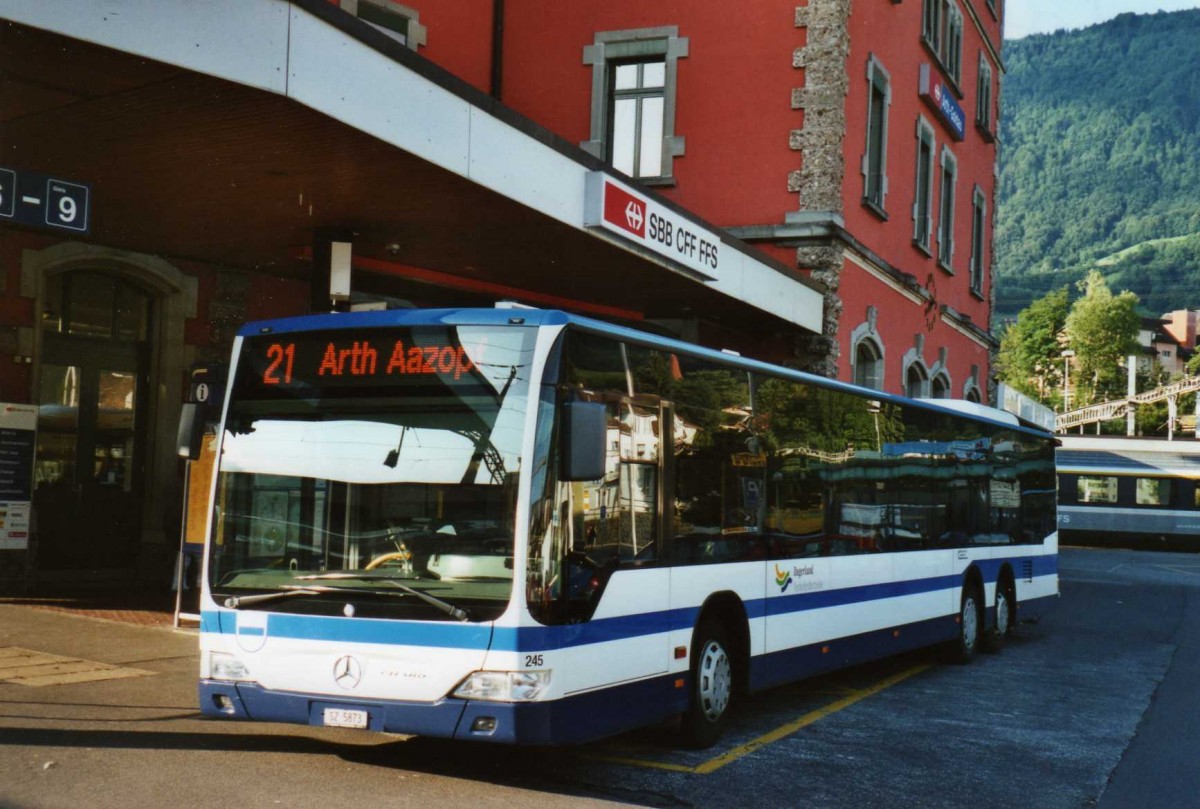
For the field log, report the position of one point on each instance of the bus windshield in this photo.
(373, 471)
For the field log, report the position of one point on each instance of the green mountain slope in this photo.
(1101, 153)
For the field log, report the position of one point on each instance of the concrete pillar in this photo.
(817, 181)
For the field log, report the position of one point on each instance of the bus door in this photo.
(616, 537)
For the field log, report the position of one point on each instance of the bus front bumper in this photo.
(570, 720)
(526, 723)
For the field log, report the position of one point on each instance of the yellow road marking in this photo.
(781, 732)
(25, 667)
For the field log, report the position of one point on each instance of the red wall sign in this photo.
(624, 210)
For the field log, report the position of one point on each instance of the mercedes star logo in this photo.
(347, 672)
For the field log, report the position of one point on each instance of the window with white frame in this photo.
(401, 23)
(923, 194)
(939, 387)
(946, 210)
(952, 52)
(636, 117)
(978, 239)
(942, 30)
(931, 24)
(983, 95)
(874, 161)
(868, 364)
(633, 101)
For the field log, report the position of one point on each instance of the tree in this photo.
(1102, 329)
(1193, 365)
(1030, 349)
(1101, 155)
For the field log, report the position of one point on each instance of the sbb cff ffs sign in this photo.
(615, 208)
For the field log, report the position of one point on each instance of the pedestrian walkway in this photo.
(153, 608)
(33, 668)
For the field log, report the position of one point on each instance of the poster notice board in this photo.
(199, 487)
(18, 433)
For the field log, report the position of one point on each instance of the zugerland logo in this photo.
(803, 576)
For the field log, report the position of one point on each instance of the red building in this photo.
(852, 141)
(818, 180)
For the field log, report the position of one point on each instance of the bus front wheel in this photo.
(970, 624)
(712, 685)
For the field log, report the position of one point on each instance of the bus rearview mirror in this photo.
(584, 428)
(191, 431)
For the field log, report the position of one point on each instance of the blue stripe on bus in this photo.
(598, 630)
(356, 630)
(601, 630)
(802, 602)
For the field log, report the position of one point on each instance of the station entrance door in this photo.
(92, 388)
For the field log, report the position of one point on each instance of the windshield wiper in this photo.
(237, 602)
(433, 601)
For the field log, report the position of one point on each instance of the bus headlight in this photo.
(504, 686)
(222, 666)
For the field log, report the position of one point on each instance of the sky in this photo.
(1025, 17)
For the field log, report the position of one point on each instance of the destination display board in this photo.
(347, 359)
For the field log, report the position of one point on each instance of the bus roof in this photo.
(502, 316)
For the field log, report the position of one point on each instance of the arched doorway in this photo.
(109, 353)
(92, 390)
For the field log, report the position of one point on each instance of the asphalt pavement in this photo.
(1093, 707)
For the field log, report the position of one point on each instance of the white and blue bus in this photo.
(528, 527)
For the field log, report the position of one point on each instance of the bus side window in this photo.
(620, 511)
(616, 517)
(720, 466)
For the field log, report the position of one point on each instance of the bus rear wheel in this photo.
(712, 686)
(994, 639)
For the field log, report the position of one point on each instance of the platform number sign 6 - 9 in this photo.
(38, 200)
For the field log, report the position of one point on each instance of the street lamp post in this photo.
(1066, 355)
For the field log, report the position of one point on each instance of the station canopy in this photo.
(231, 132)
